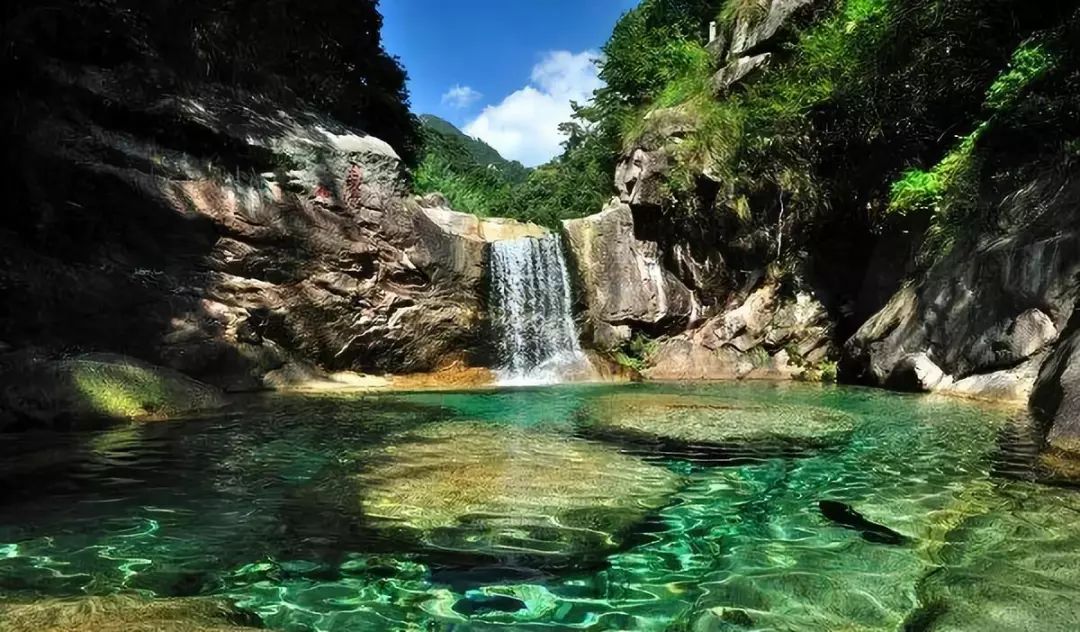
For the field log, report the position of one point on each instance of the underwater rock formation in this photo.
(121, 613)
(702, 420)
(507, 492)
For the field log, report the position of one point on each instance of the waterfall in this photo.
(530, 310)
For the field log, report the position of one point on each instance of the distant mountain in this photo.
(443, 137)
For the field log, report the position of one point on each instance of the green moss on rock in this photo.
(90, 388)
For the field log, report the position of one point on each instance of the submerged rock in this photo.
(121, 613)
(90, 388)
(1009, 569)
(508, 492)
(703, 420)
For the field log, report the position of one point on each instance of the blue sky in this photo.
(502, 70)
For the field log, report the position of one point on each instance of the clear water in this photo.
(551, 508)
(535, 341)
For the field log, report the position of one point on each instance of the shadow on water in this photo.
(727, 454)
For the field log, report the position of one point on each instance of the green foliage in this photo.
(915, 190)
(745, 10)
(637, 352)
(1030, 61)
(477, 151)
(949, 191)
(576, 184)
(824, 372)
(472, 175)
(758, 357)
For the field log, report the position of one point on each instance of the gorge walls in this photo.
(225, 236)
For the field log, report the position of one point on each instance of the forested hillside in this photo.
(866, 109)
(469, 172)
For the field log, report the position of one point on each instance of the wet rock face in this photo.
(225, 237)
(504, 492)
(988, 312)
(622, 280)
(1056, 399)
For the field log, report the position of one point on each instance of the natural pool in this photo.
(632, 507)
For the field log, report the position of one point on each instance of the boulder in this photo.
(642, 172)
(736, 70)
(471, 227)
(622, 280)
(90, 389)
(640, 177)
(496, 490)
(1013, 340)
(681, 358)
(765, 336)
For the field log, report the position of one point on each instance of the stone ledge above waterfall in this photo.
(438, 210)
(622, 282)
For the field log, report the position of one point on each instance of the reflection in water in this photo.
(645, 507)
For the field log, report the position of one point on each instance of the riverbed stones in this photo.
(483, 489)
(123, 613)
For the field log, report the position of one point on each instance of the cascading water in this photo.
(530, 309)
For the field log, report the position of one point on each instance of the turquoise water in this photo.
(633, 507)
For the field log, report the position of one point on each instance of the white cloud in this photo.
(524, 126)
(460, 96)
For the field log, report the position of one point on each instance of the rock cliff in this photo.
(227, 237)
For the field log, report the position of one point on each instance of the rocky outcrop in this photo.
(744, 48)
(641, 174)
(985, 315)
(232, 237)
(622, 281)
(768, 335)
(755, 27)
(1056, 398)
